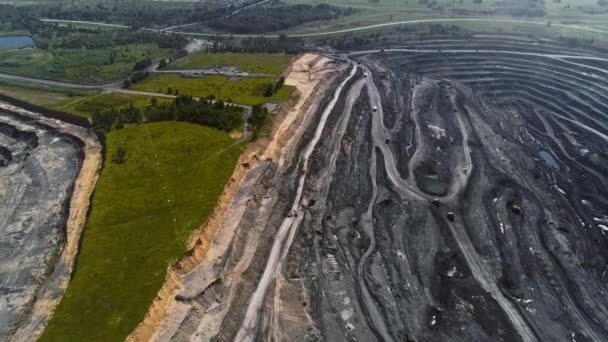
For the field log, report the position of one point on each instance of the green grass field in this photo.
(247, 91)
(260, 63)
(85, 66)
(142, 213)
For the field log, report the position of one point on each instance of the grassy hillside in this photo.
(260, 63)
(143, 211)
(247, 91)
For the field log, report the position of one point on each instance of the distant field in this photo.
(372, 12)
(247, 91)
(260, 63)
(142, 213)
(78, 65)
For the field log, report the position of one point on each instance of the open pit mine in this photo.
(444, 190)
(47, 173)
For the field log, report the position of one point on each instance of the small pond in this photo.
(16, 42)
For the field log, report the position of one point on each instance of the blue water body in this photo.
(16, 42)
(549, 160)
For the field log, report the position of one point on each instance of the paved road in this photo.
(423, 21)
(83, 22)
(361, 28)
(115, 85)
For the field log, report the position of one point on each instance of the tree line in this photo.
(134, 13)
(257, 119)
(217, 114)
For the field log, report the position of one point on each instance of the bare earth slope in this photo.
(47, 173)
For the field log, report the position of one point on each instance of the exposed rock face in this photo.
(433, 196)
(38, 166)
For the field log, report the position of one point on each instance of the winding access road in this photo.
(474, 261)
(287, 230)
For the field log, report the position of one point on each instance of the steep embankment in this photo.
(48, 172)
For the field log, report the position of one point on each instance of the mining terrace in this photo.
(441, 190)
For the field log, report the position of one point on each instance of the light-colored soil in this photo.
(304, 74)
(50, 294)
